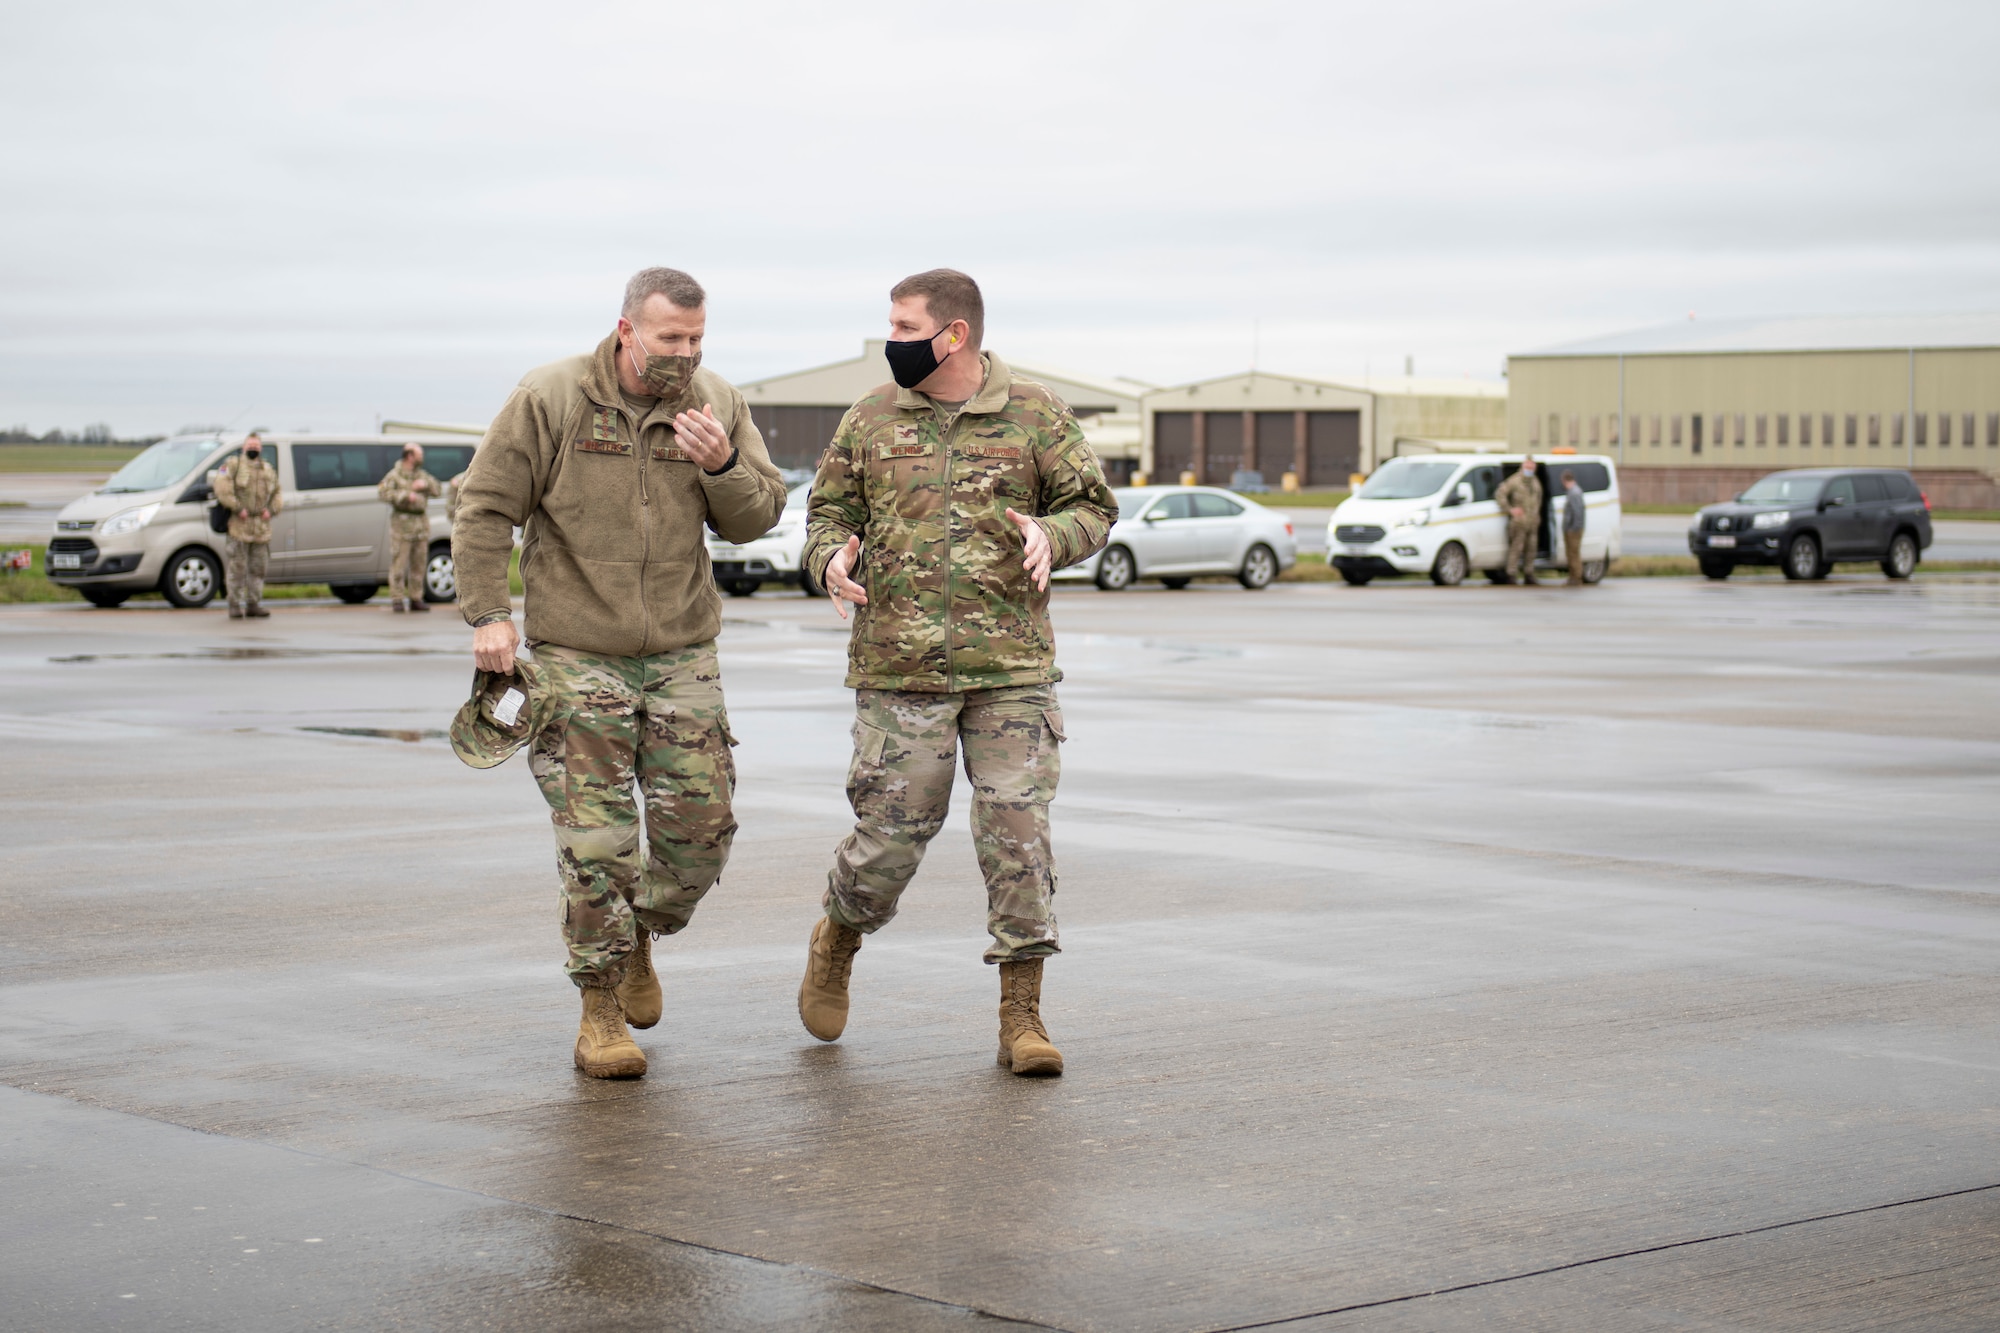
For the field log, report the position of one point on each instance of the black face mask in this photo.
(911, 363)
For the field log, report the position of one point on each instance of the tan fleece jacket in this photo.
(614, 553)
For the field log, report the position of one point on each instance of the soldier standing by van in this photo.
(408, 490)
(613, 463)
(940, 507)
(1520, 498)
(247, 487)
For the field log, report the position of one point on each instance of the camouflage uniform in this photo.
(954, 650)
(1522, 492)
(241, 485)
(612, 720)
(408, 494)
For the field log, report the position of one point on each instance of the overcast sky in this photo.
(314, 214)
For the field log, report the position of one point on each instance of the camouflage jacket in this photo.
(1522, 492)
(612, 511)
(950, 605)
(408, 495)
(241, 484)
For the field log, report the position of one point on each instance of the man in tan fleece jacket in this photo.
(613, 464)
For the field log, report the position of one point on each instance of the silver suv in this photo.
(148, 526)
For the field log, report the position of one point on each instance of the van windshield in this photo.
(162, 465)
(1407, 479)
(1782, 490)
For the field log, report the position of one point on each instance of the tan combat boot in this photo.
(604, 1049)
(1024, 1042)
(639, 992)
(823, 993)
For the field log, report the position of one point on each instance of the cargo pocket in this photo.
(870, 742)
(1054, 717)
(548, 760)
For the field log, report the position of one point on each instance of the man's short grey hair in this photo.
(671, 283)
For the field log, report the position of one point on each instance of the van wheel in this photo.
(1595, 570)
(440, 575)
(1356, 578)
(1260, 566)
(1451, 566)
(1901, 560)
(354, 594)
(104, 596)
(1177, 583)
(1116, 570)
(1717, 569)
(1802, 558)
(192, 577)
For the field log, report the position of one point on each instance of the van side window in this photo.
(1590, 476)
(1484, 481)
(445, 461)
(1867, 488)
(321, 467)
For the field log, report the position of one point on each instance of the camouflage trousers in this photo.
(407, 557)
(244, 564)
(1521, 549)
(899, 783)
(656, 724)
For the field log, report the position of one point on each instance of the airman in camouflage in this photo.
(247, 487)
(1520, 498)
(940, 507)
(408, 490)
(614, 465)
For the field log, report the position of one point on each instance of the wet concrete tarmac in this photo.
(1434, 958)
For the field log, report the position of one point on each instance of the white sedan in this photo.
(1175, 533)
(772, 558)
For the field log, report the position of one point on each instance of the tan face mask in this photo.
(666, 376)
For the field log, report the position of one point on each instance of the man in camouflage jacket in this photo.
(940, 508)
(247, 487)
(1520, 498)
(408, 490)
(614, 464)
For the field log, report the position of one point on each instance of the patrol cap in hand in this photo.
(503, 714)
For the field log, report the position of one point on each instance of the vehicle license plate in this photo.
(1722, 541)
(65, 562)
(724, 552)
(1355, 548)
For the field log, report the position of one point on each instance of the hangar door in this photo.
(796, 436)
(1333, 448)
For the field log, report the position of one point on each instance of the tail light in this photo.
(1290, 533)
(1925, 496)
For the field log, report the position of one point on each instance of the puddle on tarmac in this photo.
(409, 736)
(259, 654)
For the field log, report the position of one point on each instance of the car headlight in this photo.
(129, 521)
(1415, 520)
(1777, 520)
(1694, 524)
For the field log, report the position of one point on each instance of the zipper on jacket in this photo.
(950, 517)
(645, 530)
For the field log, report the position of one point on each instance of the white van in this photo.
(147, 528)
(1435, 514)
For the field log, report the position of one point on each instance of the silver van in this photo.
(147, 528)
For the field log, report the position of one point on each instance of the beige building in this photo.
(798, 413)
(1323, 431)
(1697, 410)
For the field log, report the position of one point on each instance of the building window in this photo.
(1826, 430)
(1966, 423)
(1674, 430)
(1534, 430)
(1853, 437)
(1992, 429)
(1923, 421)
(1694, 432)
(1575, 426)
(1653, 430)
(1896, 429)
(1944, 429)
(1555, 429)
(1761, 438)
(1874, 430)
(1593, 429)
(1784, 429)
(1637, 428)
(1805, 430)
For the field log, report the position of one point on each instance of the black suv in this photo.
(1806, 520)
